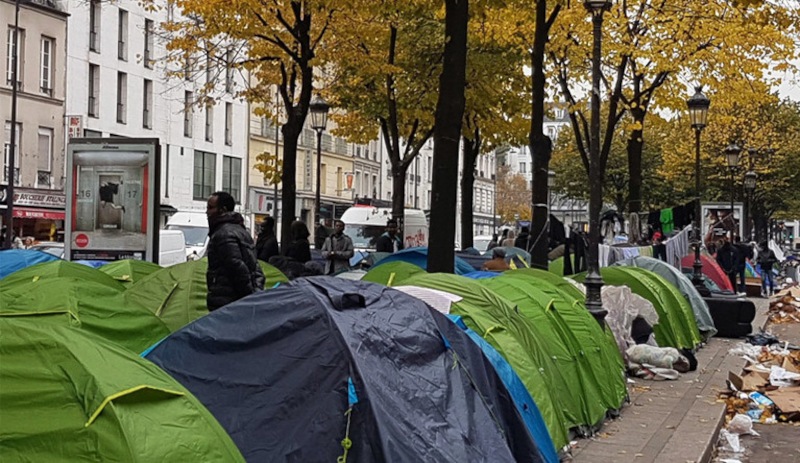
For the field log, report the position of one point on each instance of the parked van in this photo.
(365, 224)
(194, 226)
(171, 247)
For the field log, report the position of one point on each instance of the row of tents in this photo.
(389, 364)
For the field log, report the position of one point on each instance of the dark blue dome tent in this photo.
(309, 368)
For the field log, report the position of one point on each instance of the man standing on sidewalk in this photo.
(337, 250)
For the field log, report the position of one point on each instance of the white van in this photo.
(171, 247)
(194, 226)
(365, 224)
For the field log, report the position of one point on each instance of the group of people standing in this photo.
(733, 258)
(233, 269)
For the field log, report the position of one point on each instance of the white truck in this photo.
(194, 226)
(365, 224)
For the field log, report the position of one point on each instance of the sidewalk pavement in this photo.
(671, 421)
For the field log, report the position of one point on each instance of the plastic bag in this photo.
(661, 357)
(741, 424)
(730, 441)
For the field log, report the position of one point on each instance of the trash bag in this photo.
(762, 339)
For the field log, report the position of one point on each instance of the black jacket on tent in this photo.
(281, 369)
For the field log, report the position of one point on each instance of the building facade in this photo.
(122, 86)
(40, 41)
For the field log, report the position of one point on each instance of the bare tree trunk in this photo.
(291, 131)
(446, 135)
(635, 146)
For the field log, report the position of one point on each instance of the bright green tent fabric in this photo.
(565, 287)
(520, 342)
(676, 326)
(591, 352)
(86, 306)
(129, 271)
(177, 294)
(69, 396)
(59, 268)
(392, 273)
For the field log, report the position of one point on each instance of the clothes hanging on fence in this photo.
(676, 247)
(667, 224)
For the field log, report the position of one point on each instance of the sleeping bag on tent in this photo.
(292, 373)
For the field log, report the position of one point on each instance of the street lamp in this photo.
(551, 183)
(698, 115)
(594, 282)
(732, 152)
(749, 186)
(319, 120)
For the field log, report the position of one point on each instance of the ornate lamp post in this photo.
(732, 152)
(749, 186)
(319, 120)
(698, 115)
(594, 282)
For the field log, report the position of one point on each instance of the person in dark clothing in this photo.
(267, 243)
(767, 260)
(743, 253)
(337, 250)
(726, 258)
(299, 248)
(321, 233)
(494, 243)
(389, 241)
(522, 240)
(233, 271)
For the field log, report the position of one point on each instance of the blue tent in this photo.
(293, 373)
(12, 260)
(481, 274)
(93, 263)
(522, 398)
(419, 257)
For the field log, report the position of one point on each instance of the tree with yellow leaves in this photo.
(651, 48)
(276, 42)
(513, 195)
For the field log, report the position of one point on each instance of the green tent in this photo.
(566, 288)
(59, 268)
(588, 351)
(84, 305)
(70, 396)
(523, 344)
(392, 273)
(676, 324)
(177, 294)
(129, 271)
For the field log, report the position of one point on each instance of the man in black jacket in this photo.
(233, 271)
(389, 241)
(267, 243)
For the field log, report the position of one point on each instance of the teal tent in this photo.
(70, 396)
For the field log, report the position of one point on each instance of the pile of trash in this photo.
(768, 390)
(784, 307)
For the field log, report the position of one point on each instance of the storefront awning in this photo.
(31, 213)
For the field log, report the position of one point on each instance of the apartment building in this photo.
(40, 40)
(119, 87)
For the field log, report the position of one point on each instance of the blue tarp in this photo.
(481, 274)
(279, 371)
(522, 398)
(12, 260)
(93, 263)
(419, 257)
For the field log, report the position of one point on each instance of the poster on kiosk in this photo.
(112, 199)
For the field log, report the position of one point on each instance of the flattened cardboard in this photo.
(747, 382)
(787, 399)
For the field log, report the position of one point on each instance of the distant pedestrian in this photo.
(320, 234)
(767, 260)
(233, 271)
(509, 241)
(494, 243)
(267, 243)
(337, 250)
(389, 241)
(726, 258)
(523, 239)
(299, 248)
(743, 253)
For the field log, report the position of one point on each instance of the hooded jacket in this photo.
(233, 271)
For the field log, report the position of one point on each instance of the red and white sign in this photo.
(74, 126)
(348, 178)
(26, 213)
(81, 240)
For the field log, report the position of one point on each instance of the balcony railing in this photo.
(19, 84)
(16, 175)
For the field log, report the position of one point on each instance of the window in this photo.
(205, 169)
(94, 25)
(148, 43)
(7, 150)
(209, 123)
(522, 168)
(188, 113)
(339, 179)
(209, 68)
(228, 124)
(14, 36)
(147, 105)
(122, 36)
(45, 157)
(229, 71)
(92, 133)
(232, 176)
(94, 90)
(122, 97)
(374, 185)
(46, 73)
(188, 66)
